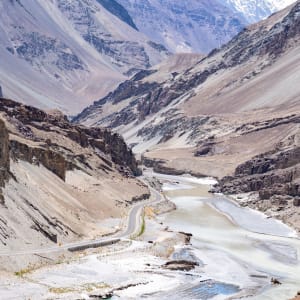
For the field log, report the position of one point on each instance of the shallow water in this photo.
(204, 290)
(237, 245)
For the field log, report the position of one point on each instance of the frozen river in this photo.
(236, 245)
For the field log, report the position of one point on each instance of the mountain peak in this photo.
(253, 10)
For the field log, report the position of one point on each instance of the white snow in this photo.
(254, 10)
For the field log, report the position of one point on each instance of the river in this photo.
(236, 246)
(238, 251)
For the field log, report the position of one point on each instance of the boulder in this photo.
(297, 201)
(180, 265)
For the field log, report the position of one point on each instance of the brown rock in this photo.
(296, 201)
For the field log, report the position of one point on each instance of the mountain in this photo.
(185, 26)
(197, 26)
(234, 112)
(58, 181)
(254, 11)
(64, 54)
(118, 10)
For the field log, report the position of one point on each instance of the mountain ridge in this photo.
(66, 48)
(206, 119)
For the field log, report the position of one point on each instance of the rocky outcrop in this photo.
(269, 174)
(52, 160)
(28, 120)
(180, 265)
(4, 156)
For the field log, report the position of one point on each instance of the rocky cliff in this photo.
(272, 174)
(59, 180)
(4, 155)
(27, 119)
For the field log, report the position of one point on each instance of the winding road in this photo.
(133, 224)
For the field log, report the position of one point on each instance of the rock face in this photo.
(4, 154)
(28, 118)
(180, 265)
(118, 10)
(270, 174)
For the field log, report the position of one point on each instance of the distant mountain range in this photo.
(197, 26)
(233, 114)
(66, 53)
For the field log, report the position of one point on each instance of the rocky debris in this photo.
(296, 202)
(175, 125)
(108, 295)
(187, 236)
(266, 124)
(158, 166)
(33, 47)
(180, 265)
(205, 147)
(275, 281)
(140, 198)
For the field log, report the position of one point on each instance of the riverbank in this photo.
(280, 208)
(224, 258)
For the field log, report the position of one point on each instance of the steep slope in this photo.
(253, 71)
(63, 54)
(227, 112)
(59, 180)
(185, 26)
(118, 10)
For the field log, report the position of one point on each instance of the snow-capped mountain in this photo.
(185, 26)
(253, 10)
(197, 26)
(66, 53)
